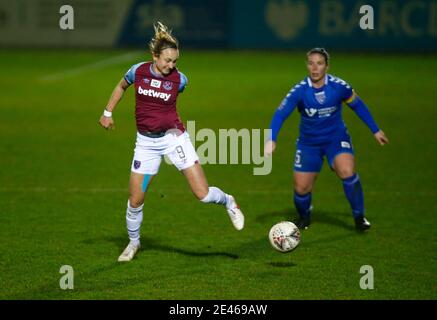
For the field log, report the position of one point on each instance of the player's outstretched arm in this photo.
(282, 113)
(106, 120)
(359, 107)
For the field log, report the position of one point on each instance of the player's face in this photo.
(166, 61)
(317, 67)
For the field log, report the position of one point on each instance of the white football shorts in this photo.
(148, 152)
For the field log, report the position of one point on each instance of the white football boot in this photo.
(235, 213)
(129, 252)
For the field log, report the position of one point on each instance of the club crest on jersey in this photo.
(320, 97)
(310, 112)
(168, 85)
(137, 164)
(155, 83)
(146, 81)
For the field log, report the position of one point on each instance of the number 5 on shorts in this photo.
(297, 157)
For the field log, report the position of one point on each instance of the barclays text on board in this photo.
(398, 24)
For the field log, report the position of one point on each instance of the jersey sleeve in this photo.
(183, 83)
(348, 96)
(130, 74)
(345, 90)
(360, 108)
(284, 110)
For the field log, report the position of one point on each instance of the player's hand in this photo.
(107, 123)
(269, 147)
(381, 138)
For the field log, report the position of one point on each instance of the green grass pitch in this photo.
(64, 183)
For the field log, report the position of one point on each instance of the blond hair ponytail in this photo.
(162, 39)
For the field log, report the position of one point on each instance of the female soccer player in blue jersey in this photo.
(160, 132)
(319, 99)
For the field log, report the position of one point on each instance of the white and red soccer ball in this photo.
(284, 236)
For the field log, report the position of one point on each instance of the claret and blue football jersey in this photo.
(156, 95)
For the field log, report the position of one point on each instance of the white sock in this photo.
(215, 195)
(134, 217)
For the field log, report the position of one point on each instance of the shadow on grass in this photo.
(260, 251)
(52, 290)
(151, 244)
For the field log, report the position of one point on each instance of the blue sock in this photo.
(354, 194)
(303, 204)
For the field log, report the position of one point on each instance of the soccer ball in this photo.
(284, 236)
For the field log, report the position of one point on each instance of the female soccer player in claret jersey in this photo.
(160, 132)
(322, 132)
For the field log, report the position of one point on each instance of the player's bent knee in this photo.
(135, 202)
(345, 173)
(302, 189)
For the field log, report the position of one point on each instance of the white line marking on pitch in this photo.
(89, 67)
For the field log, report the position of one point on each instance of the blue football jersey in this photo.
(320, 109)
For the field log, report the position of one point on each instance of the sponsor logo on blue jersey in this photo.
(310, 112)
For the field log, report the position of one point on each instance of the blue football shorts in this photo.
(309, 158)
